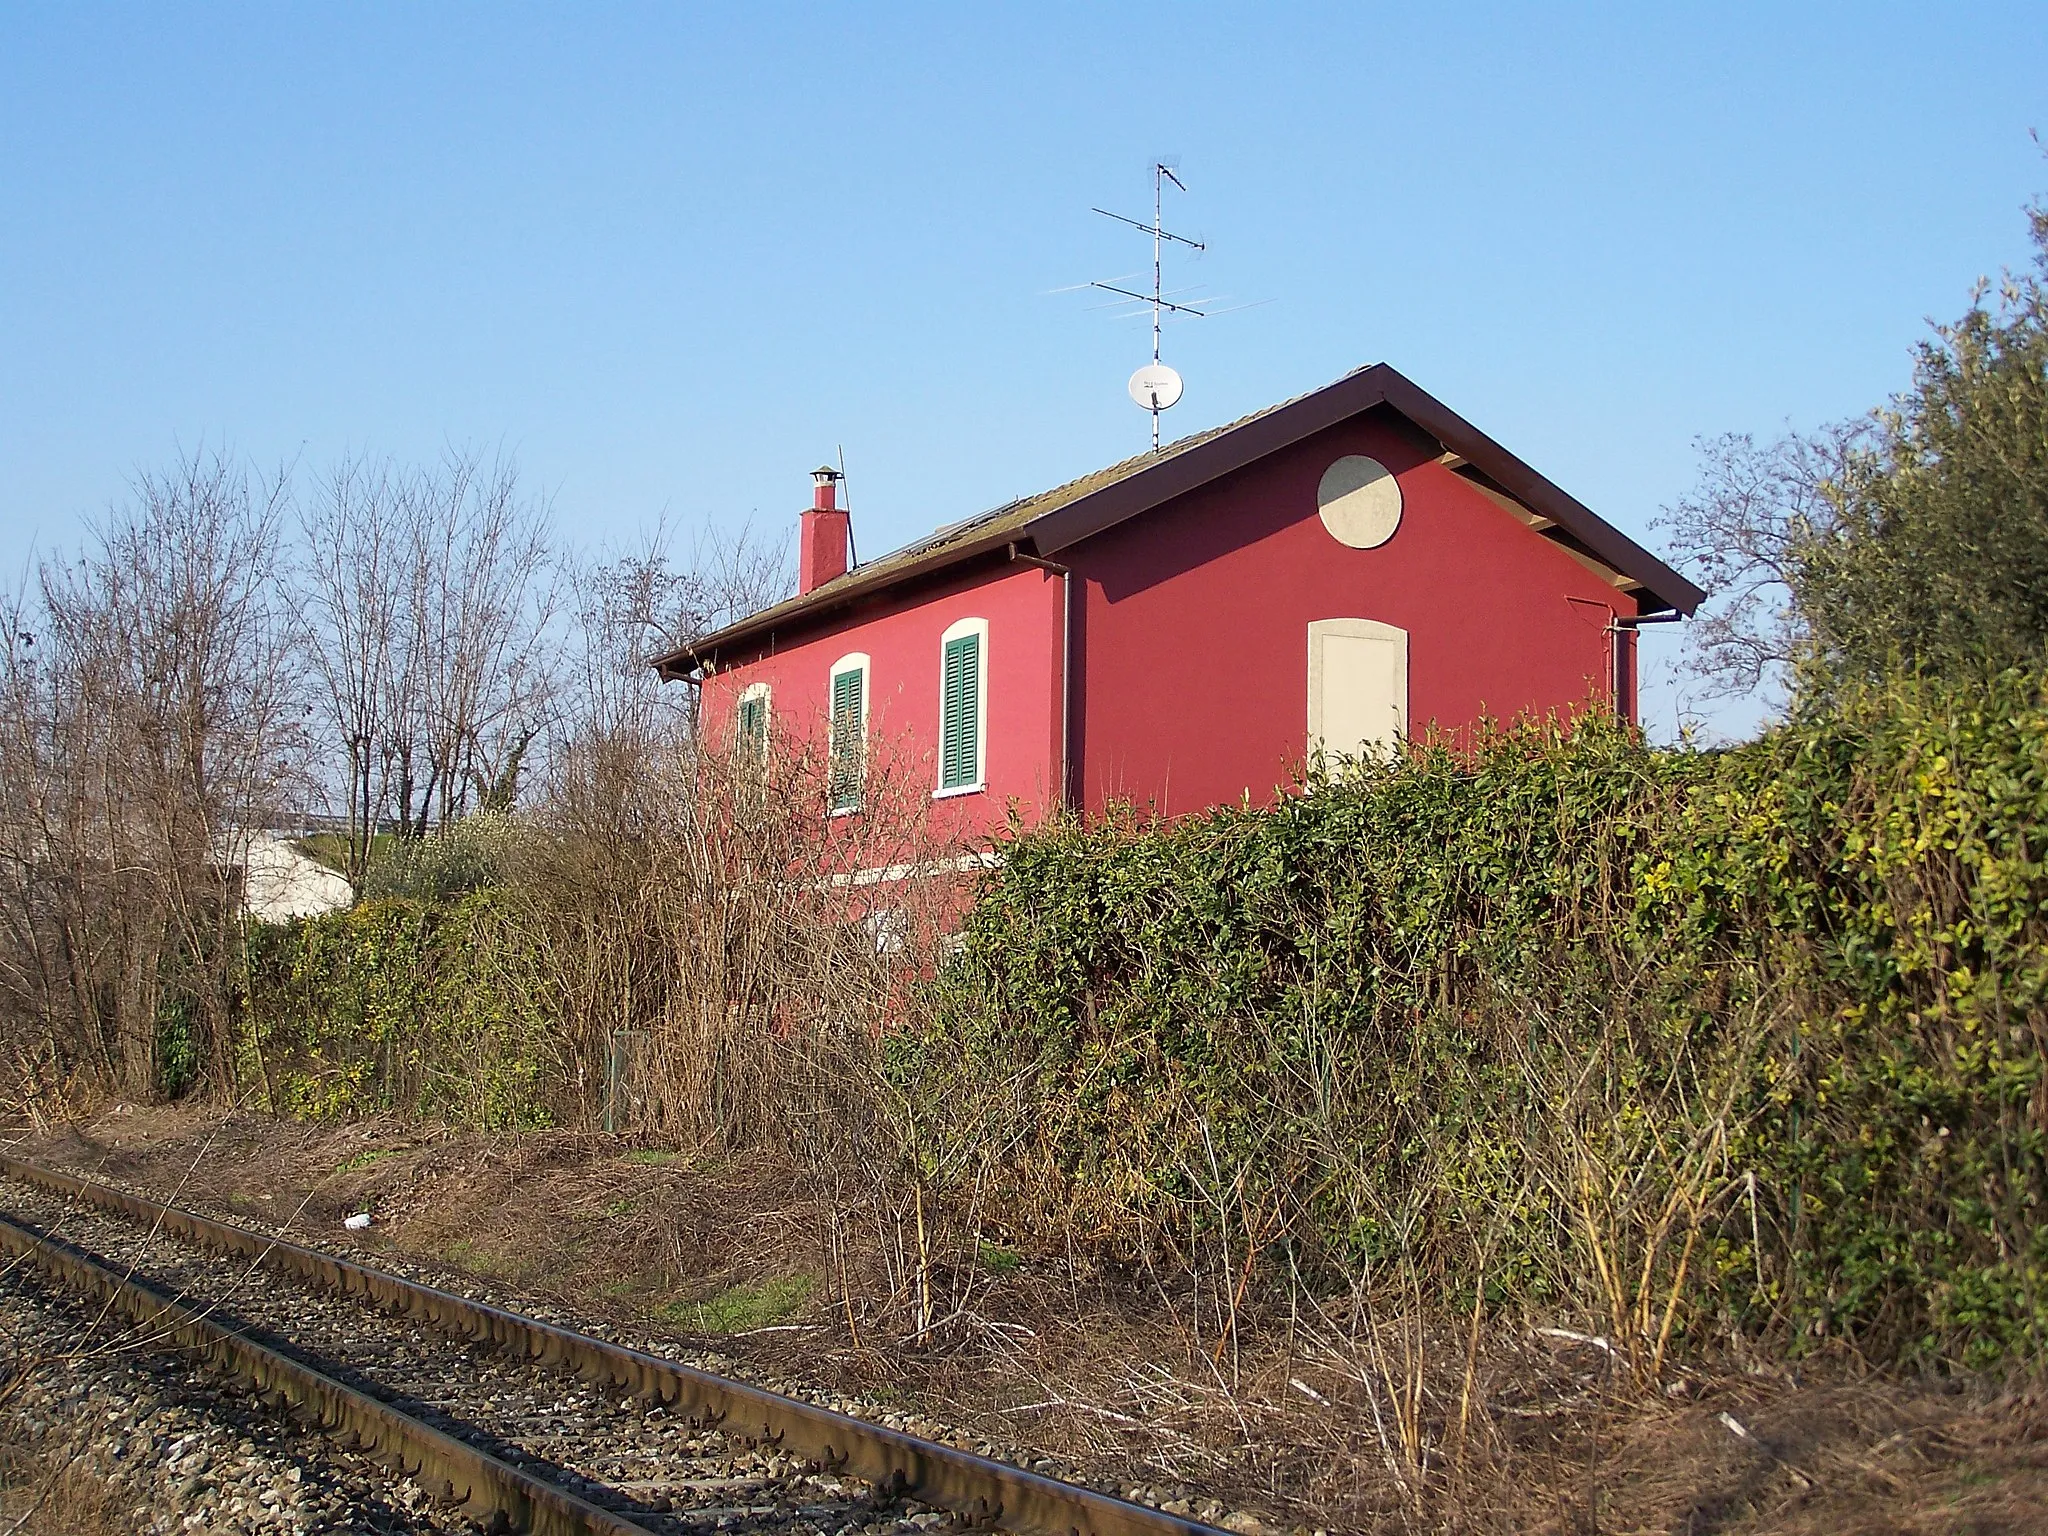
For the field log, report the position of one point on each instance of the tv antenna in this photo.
(1156, 387)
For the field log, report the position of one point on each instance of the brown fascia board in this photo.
(1659, 588)
(758, 635)
(1662, 588)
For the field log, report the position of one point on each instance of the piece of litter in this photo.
(1740, 1431)
(1735, 1427)
(357, 1222)
(1577, 1338)
(1307, 1391)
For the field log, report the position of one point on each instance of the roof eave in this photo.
(1659, 589)
(1662, 589)
(687, 659)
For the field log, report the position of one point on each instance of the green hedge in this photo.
(1699, 1043)
(1706, 1042)
(411, 1007)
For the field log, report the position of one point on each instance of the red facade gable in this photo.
(1182, 631)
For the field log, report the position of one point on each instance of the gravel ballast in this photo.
(609, 1449)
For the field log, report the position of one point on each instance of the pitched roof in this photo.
(1057, 519)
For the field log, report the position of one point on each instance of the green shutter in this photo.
(849, 749)
(750, 738)
(960, 714)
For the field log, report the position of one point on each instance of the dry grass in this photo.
(1310, 1421)
(50, 1496)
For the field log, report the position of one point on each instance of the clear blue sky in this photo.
(672, 259)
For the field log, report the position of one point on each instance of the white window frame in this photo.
(889, 928)
(852, 661)
(766, 695)
(959, 629)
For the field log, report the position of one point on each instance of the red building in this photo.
(1187, 627)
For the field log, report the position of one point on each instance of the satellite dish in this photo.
(1155, 387)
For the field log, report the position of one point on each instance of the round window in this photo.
(1360, 501)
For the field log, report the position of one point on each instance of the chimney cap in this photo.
(825, 474)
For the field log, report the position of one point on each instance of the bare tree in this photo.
(1742, 533)
(192, 677)
(618, 721)
(478, 674)
(43, 977)
(359, 579)
(430, 596)
(151, 721)
(635, 606)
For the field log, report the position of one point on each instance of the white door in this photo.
(1357, 687)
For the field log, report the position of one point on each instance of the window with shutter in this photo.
(960, 709)
(849, 730)
(750, 725)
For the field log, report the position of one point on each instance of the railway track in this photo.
(518, 1423)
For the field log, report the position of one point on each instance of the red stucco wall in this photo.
(1022, 605)
(1192, 636)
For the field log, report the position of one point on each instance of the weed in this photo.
(998, 1260)
(483, 1259)
(365, 1158)
(632, 1286)
(739, 1308)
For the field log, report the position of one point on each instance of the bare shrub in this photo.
(753, 948)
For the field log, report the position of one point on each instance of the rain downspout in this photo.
(1066, 577)
(1619, 627)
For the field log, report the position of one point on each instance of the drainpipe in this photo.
(1066, 577)
(1618, 628)
(696, 681)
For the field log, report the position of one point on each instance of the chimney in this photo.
(821, 555)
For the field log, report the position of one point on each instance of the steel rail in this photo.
(983, 1489)
(448, 1469)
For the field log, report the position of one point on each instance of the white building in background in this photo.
(280, 881)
